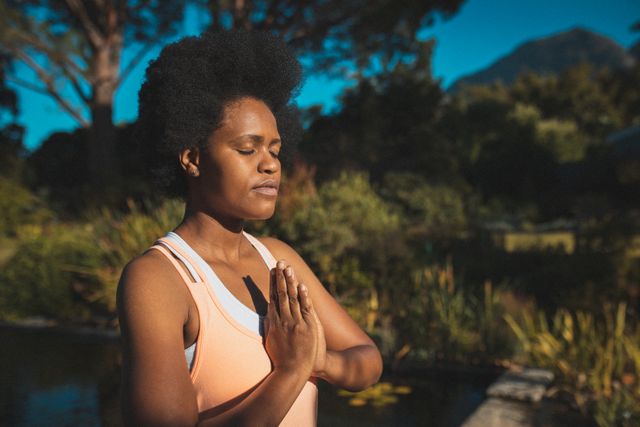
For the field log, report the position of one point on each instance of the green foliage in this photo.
(387, 123)
(20, 208)
(540, 141)
(579, 94)
(563, 139)
(341, 229)
(59, 166)
(121, 237)
(445, 321)
(619, 410)
(42, 276)
(332, 32)
(595, 357)
(434, 210)
(70, 272)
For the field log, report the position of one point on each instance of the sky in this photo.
(481, 32)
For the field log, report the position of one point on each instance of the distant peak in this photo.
(552, 54)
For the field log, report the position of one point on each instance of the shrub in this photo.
(70, 272)
(19, 207)
(41, 277)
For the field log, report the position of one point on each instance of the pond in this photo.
(57, 378)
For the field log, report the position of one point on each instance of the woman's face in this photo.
(239, 170)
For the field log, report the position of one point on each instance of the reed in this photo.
(596, 358)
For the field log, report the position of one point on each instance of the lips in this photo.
(268, 187)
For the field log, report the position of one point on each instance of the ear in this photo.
(189, 159)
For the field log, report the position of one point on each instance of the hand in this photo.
(291, 328)
(321, 353)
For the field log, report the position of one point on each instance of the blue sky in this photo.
(483, 31)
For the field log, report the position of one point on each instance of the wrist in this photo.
(325, 372)
(292, 371)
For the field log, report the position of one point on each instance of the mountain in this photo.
(551, 55)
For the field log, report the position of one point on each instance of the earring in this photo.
(194, 172)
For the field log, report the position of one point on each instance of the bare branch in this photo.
(139, 56)
(27, 85)
(61, 60)
(67, 66)
(76, 85)
(51, 90)
(90, 30)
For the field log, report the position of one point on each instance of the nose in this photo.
(268, 163)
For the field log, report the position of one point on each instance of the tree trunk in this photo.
(103, 165)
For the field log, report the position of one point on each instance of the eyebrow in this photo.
(256, 139)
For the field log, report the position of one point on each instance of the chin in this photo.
(260, 216)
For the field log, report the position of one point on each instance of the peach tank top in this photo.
(230, 358)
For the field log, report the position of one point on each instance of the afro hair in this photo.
(187, 87)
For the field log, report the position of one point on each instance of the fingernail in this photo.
(288, 271)
(280, 265)
(303, 287)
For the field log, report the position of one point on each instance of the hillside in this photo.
(551, 55)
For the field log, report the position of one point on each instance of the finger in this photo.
(283, 297)
(292, 291)
(272, 311)
(306, 307)
(273, 289)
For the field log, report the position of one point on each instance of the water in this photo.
(51, 378)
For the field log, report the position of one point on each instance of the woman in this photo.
(214, 330)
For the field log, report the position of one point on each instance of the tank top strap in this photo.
(266, 255)
(194, 267)
(164, 251)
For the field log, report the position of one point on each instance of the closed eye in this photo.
(246, 152)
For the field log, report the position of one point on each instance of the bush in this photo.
(70, 272)
(344, 231)
(439, 319)
(121, 237)
(19, 207)
(41, 277)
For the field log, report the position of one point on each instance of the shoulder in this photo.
(282, 251)
(144, 271)
(278, 248)
(149, 281)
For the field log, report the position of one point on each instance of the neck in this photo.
(213, 237)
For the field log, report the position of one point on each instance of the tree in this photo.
(77, 45)
(334, 31)
(388, 122)
(11, 149)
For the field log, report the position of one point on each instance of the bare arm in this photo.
(153, 309)
(352, 360)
